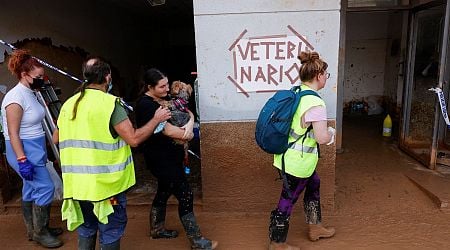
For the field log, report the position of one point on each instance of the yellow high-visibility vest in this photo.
(95, 166)
(301, 158)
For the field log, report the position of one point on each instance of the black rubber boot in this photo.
(55, 231)
(279, 226)
(40, 233)
(112, 246)
(194, 235)
(278, 231)
(27, 211)
(157, 221)
(87, 243)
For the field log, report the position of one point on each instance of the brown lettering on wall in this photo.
(290, 48)
(267, 44)
(288, 73)
(260, 75)
(279, 50)
(299, 48)
(244, 55)
(253, 52)
(271, 70)
(281, 74)
(247, 74)
(266, 60)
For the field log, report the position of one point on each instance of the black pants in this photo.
(180, 189)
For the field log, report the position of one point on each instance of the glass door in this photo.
(421, 113)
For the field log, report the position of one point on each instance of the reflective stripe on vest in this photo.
(97, 169)
(299, 146)
(94, 164)
(301, 159)
(303, 148)
(92, 145)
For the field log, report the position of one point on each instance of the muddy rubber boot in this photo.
(55, 231)
(27, 211)
(313, 216)
(278, 230)
(157, 221)
(112, 246)
(194, 235)
(40, 232)
(317, 231)
(87, 243)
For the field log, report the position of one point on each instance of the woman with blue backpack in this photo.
(297, 165)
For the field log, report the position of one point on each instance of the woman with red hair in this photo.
(26, 150)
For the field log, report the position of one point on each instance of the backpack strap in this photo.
(282, 173)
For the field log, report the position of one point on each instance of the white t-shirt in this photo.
(33, 112)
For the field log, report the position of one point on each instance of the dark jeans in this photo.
(108, 233)
(180, 189)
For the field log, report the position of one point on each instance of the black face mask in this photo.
(37, 83)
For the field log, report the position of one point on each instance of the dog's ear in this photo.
(175, 88)
(189, 89)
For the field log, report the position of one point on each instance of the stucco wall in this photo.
(237, 175)
(218, 24)
(367, 38)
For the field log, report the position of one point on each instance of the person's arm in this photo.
(184, 133)
(174, 132)
(55, 137)
(321, 132)
(189, 127)
(14, 113)
(134, 136)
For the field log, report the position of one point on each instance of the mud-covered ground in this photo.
(377, 207)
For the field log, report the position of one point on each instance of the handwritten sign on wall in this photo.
(267, 63)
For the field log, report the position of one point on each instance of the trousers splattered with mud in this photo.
(311, 199)
(180, 189)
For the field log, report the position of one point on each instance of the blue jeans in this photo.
(40, 190)
(108, 233)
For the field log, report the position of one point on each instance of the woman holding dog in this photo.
(164, 157)
(300, 160)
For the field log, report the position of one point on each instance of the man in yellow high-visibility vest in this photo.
(95, 135)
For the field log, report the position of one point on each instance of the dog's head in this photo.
(181, 90)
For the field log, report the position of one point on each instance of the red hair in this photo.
(21, 61)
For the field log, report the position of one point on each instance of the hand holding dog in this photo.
(162, 114)
(188, 131)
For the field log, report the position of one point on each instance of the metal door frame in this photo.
(408, 83)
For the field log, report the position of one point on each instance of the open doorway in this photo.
(375, 55)
(393, 55)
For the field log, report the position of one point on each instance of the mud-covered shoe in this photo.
(163, 233)
(317, 231)
(281, 246)
(157, 222)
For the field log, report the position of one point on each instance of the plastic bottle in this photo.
(387, 126)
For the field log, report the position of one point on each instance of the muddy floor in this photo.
(377, 207)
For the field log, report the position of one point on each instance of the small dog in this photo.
(180, 93)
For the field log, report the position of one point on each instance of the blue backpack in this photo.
(274, 121)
